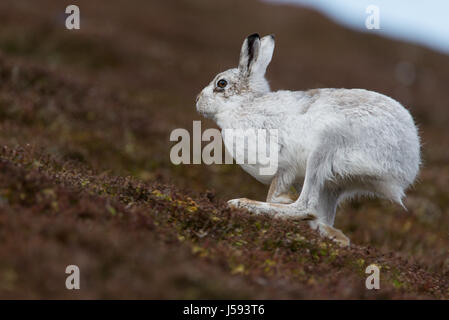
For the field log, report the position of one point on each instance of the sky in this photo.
(425, 22)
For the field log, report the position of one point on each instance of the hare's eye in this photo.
(222, 83)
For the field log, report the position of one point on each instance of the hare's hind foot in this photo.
(332, 233)
(276, 210)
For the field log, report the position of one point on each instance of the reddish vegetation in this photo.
(85, 176)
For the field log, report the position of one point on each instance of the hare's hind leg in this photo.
(320, 195)
(330, 232)
(325, 211)
(277, 210)
(276, 201)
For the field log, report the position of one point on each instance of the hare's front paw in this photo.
(282, 199)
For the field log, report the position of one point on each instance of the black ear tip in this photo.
(272, 36)
(254, 36)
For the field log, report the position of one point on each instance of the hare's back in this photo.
(357, 103)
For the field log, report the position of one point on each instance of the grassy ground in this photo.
(85, 176)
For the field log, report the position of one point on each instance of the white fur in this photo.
(334, 143)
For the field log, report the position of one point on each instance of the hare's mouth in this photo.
(203, 109)
(204, 113)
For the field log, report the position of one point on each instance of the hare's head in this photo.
(234, 85)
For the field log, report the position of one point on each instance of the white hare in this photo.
(333, 143)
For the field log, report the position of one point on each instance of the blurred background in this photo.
(108, 95)
(415, 21)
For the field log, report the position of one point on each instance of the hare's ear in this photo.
(256, 55)
(265, 55)
(249, 53)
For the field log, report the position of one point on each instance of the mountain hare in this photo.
(332, 143)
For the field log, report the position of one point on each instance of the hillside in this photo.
(86, 179)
